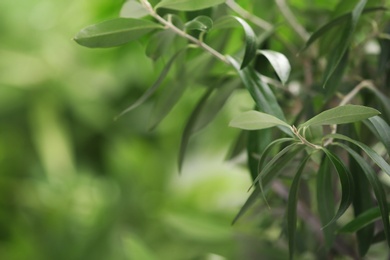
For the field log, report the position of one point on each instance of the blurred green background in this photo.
(74, 183)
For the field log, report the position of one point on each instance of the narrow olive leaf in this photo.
(267, 150)
(347, 185)
(362, 220)
(325, 201)
(369, 151)
(200, 23)
(133, 9)
(253, 150)
(247, 205)
(255, 120)
(188, 5)
(383, 99)
(380, 129)
(344, 41)
(341, 115)
(261, 93)
(250, 36)
(154, 87)
(292, 204)
(159, 44)
(188, 130)
(274, 169)
(362, 201)
(114, 32)
(238, 146)
(279, 62)
(266, 170)
(376, 186)
(333, 82)
(333, 23)
(215, 103)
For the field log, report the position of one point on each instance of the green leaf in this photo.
(377, 187)
(362, 201)
(362, 220)
(325, 201)
(248, 203)
(333, 23)
(347, 185)
(380, 129)
(342, 115)
(344, 41)
(153, 88)
(188, 130)
(159, 44)
(370, 152)
(274, 170)
(292, 204)
(171, 94)
(279, 62)
(334, 81)
(266, 171)
(114, 32)
(133, 9)
(188, 5)
(250, 36)
(261, 93)
(238, 146)
(254, 120)
(215, 103)
(200, 23)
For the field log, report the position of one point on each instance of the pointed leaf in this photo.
(377, 187)
(342, 115)
(325, 201)
(114, 32)
(380, 129)
(248, 203)
(153, 88)
(347, 185)
(261, 93)
(369, 151)
(362, 201)
(200, 23)
(279, 62)
(254, 120)
(292, 204)
(338, 20)
(188, 130)
(188, 5)
(159, 44)
(133, 9)
(362, 220)
(250, 36)
(344, 41)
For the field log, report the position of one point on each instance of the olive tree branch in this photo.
(247, 15)
(347, 98)
(183, 34)
(292, 21)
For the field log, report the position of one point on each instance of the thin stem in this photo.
(259, 22)
(347, 99)
(247, 15)
(183, 34)
(292, 21)
(303, 139)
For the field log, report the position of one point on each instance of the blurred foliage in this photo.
(77, 184)
(74, 183)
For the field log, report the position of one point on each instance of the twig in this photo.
(183, 34)
(247, 15)
(347, 98)
(292, 21)
(259, 22)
